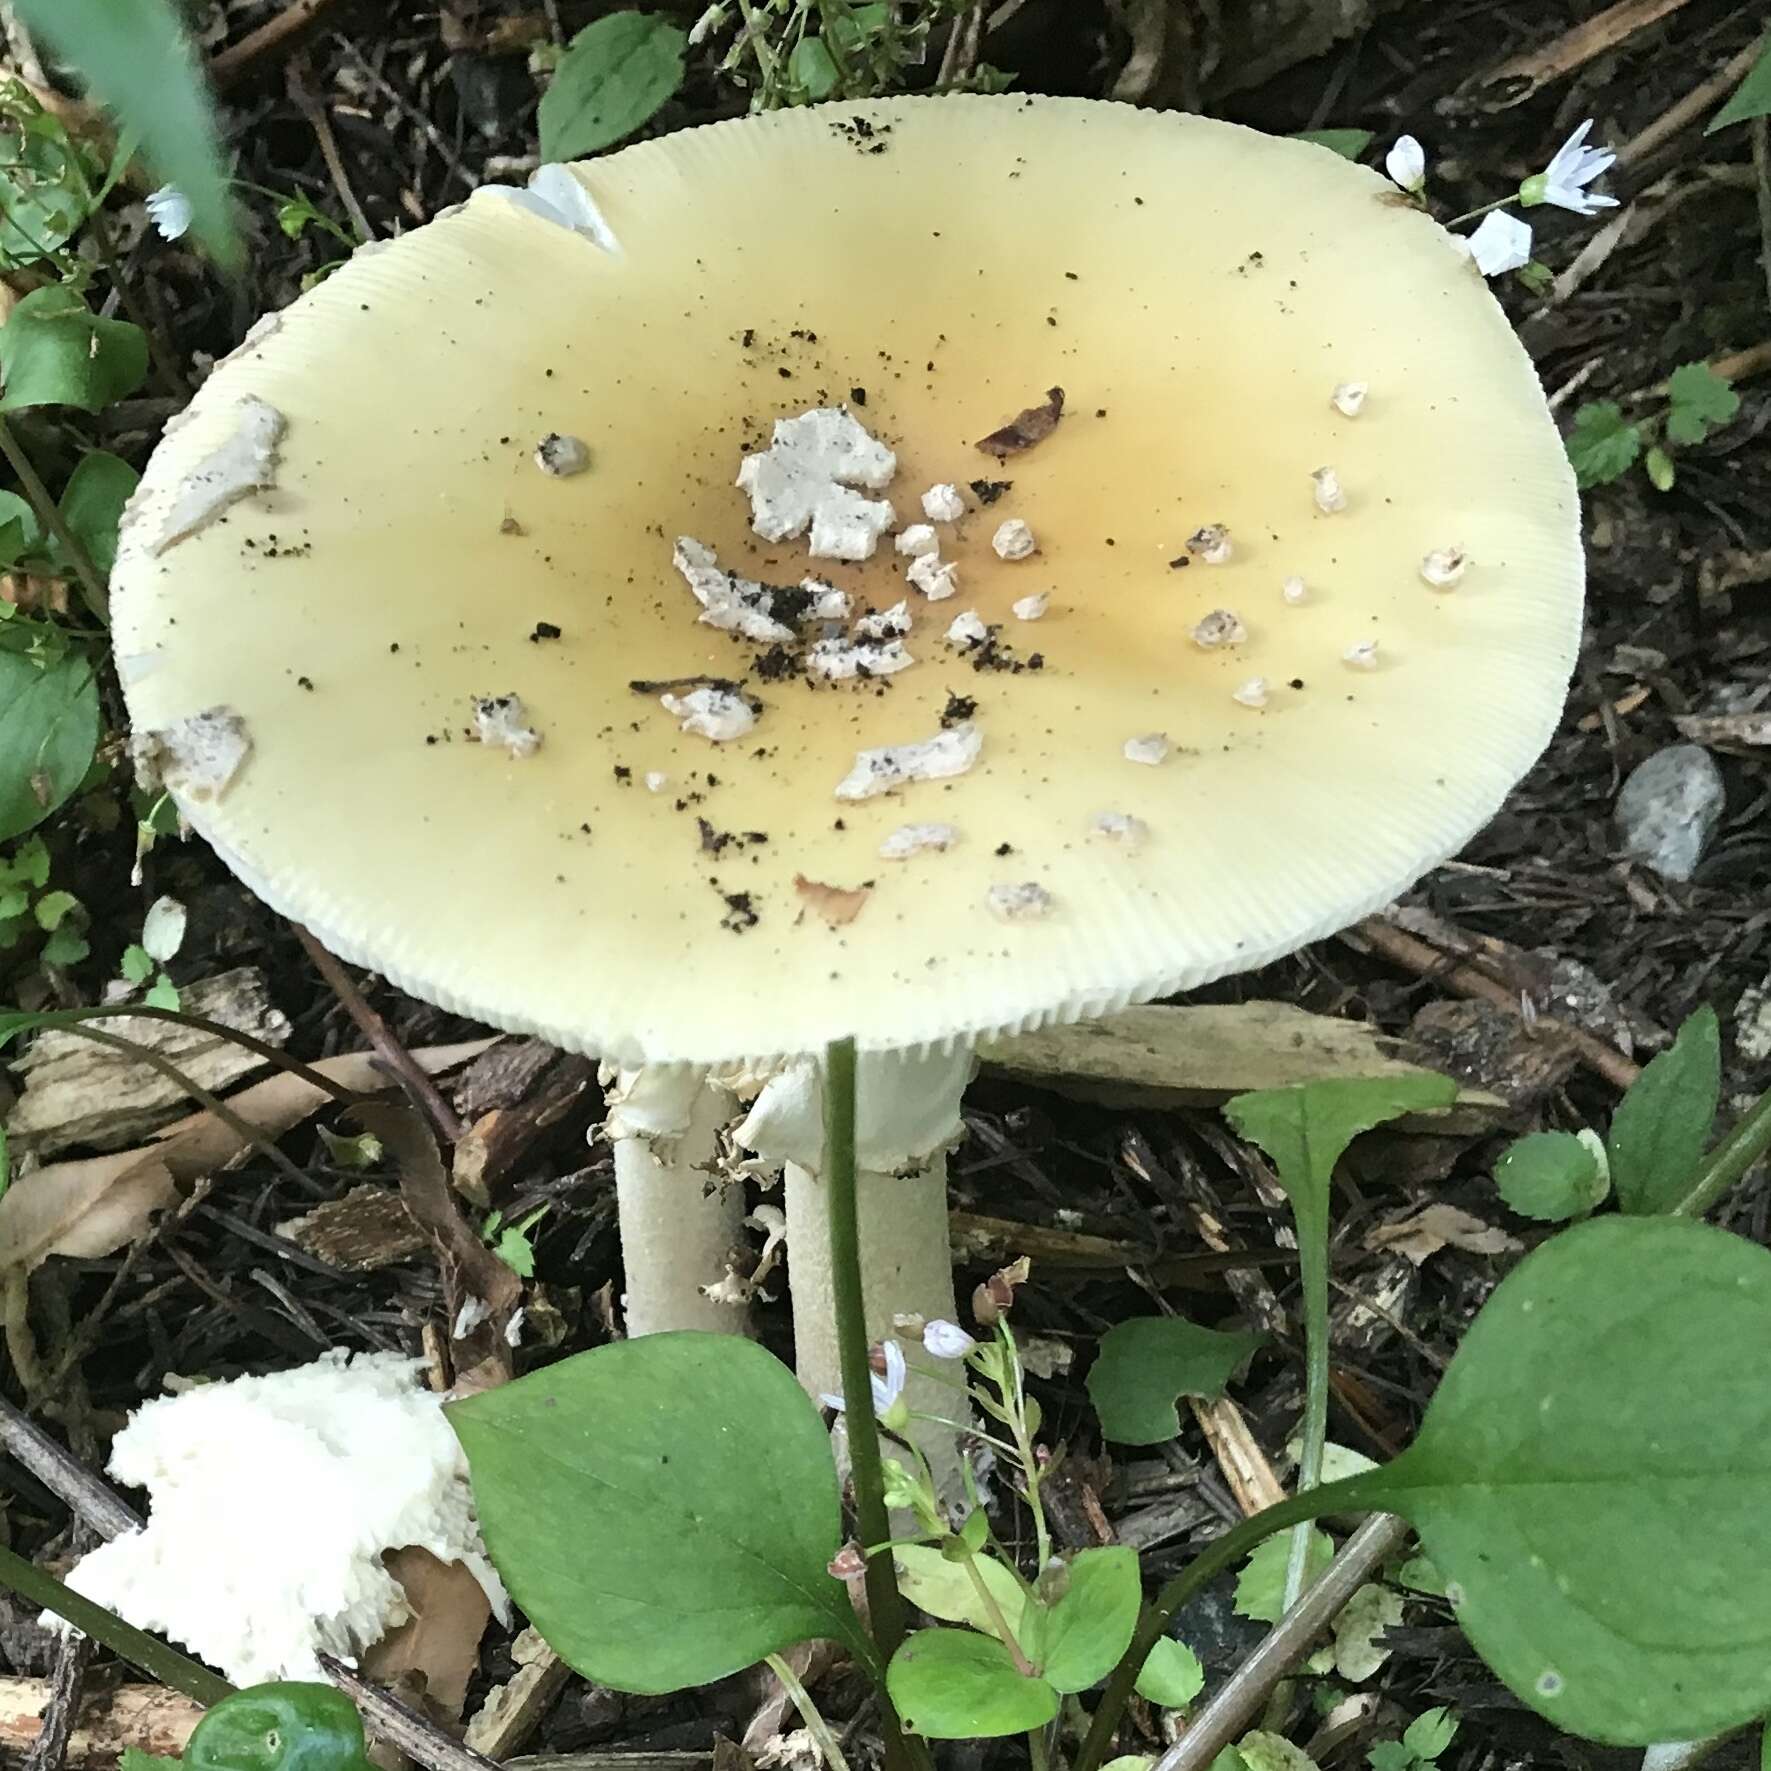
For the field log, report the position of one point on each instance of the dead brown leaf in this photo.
(94, 1205)
(838, 905)
(1440, 1226)
(1026, 428)
(440, 1642)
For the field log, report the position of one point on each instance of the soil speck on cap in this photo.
(988, 491)
(545, 630)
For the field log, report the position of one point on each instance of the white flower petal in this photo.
(169, 209)
(1502, 243)
(1406, 163)
(946, 1340)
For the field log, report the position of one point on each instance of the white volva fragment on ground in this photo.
(708, 712)
(196, 757)
(1252, 693)
(503, 720)
(1327, 491)
(1024, 901)
(1348, 398)
(1212, 544)
(967, 629)
(919, 538)
(950, 752)
(1119, 827)
(346, 1457)
(1444, 566)
(915, 839)
(802, 481)
(1362, 656)
(943, 504)
(1013, 540)
(1151, 749)
(562, 456)
(246, 462)
(1222, 627)
(1031, 608)
(1295, 590)
(837, 660)
(936, 581)
(728, 602)
(886, 624)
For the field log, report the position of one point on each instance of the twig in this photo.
(1760, 127)
(399, 1725)
(1427, 962)
(69, 1480)
(49, 1751)
(278, 35)
(1690, 107)
(315, 112)
(1523, 75)
(1240, 1700)
(92, 580)
(381, 1036)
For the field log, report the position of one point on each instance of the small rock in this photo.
(1752, 1023)
(1669, 809)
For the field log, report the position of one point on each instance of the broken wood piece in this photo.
(1520, 76)
(501, 1139)
(1742, 732)
(363, 1230)
(80, 1092)
(1199, 1055)
(1238, 1454)
(150, 1717)
(980, 1241)
(512, 1711)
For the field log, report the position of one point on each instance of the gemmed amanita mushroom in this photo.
(680, 760)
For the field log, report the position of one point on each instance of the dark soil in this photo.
(424, 104)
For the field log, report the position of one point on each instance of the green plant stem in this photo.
(993, 1611)
(816, 1726)
(1038, 1757)
(1313, 1269)
(92, 581)
(885, 1604)
(123, 1639)
(1298, 1509)
(1485, 209)
(1730, 1159)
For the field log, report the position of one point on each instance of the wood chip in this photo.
(1026, 428)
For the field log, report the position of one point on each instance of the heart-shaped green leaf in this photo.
(613, 77)
(1144, 1364)
(955, 1685)
(1661, 1126)
(1593, 1477)
(48, 732)
(664, 1509)
(1089, 1626)
(1551, 1176)
(92, 504)
(54, 351)
(1171, 1675)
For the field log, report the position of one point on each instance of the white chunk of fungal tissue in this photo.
(1013, 540)
(711, 712)
(245, 462)
(502, 720)
(948, 753)
(805, 479)
(916, 839)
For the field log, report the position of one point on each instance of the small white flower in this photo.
(169, 209)
(1252, 693)
(887, 1389)
(703, 27)
(1444, 566)
(1564, 181)
(1295, 590)
(946, 1340)
(1348, 397)
(1406, 163)
(1329, 496)
(1362, 656)
(1502, 243)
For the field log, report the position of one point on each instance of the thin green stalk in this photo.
(1485, 209)
(816, 1726)
(1210, 1562)
(92, 581)
(1038, 1757)
(1730, 1159)
(1313, 1269)
(993, 1611)
(885, 1604)
(123, 1639)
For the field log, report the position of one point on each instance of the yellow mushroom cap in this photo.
(1198, 290)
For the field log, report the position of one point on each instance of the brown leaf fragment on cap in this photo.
(1027, 428)
(838, 905)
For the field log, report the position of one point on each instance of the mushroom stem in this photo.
(908, 1117)
(681, 1220)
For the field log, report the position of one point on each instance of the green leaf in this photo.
(53, 907)
(810, 67)
(1358, 1650)
(613, 77)
(134, 1759)
(1306, 1130)
(1431, 1732)
(48, 733)
(282, 1725)
(15, 901)
(1273, 1752)
(664, 1509)
(1389, 1755)
(943, 1589)
(162, 993)
(20, 530)
(1701, 401)
(67, 946)
(138, 60)
(1419, 1575)
(1551, 1176)
(1144, 1364)
(1130, 1762)
(1348, 143)
(1593, 1476)
(1660, 468)
(514, 1248)
(44, 193)
(30, 861)
(1752, 97)
(55, 352)
(1602, 444)
(1661, 1126)
(1088, 1629)
(1260, 1588)
(1171, 1676)
(136, 965)
(955, 1685)
(92, 504)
